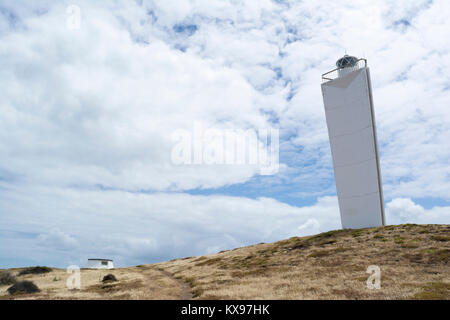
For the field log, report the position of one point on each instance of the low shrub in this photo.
(7, 278)
(35, 270)
(440, 238)
(23, 287)
(109, 277)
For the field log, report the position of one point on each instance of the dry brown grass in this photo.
(414, 261)
(133, 283)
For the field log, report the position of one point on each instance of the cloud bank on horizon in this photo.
(87, 117)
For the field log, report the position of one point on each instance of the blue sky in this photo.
(87, 117)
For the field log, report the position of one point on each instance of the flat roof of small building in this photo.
(101, 259)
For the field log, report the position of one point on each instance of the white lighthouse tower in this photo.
(347, 96)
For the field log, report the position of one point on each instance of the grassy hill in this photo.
(414, 261)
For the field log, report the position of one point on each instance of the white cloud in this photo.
(97, 106)
(94, 107)
(404, 210)
(57, 239)
(135, 228)
(311, 226)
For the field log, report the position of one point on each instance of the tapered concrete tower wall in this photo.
(352, 132)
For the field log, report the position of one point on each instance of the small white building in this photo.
(100, 264)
